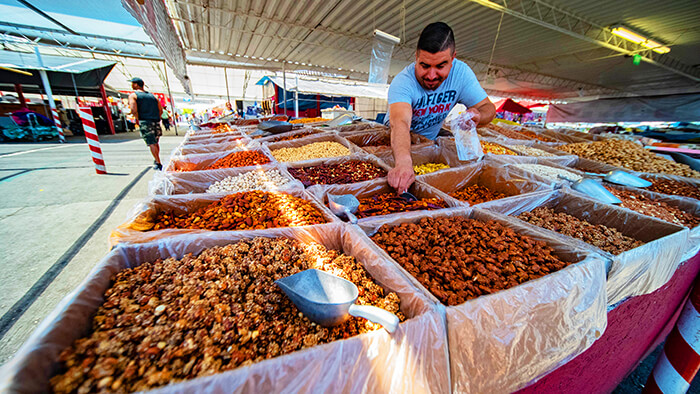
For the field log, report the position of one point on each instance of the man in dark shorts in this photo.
(147, 111)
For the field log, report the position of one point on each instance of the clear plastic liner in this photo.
(377, 186)
(588, 165)
(507, 340)
(304, 130)
(635, 272)
(487, 173)
(579, 134)
(422, 155)
(555, 153)
(566, 138)
(342, 159)
(194, 182)
(310, 140)
(413, 359)
(144, 213)
(210, 137)
(362, 126)
(224, 145)
(364, 138)
(509, 163)
(689, 181)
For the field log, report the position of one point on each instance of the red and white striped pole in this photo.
(57, 122)
(679, 362)
(92, 139)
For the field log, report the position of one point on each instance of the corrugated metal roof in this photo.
(337, 35)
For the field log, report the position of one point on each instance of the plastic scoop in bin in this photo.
(329, 300)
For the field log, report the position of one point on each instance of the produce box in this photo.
(380, 188)
(209, 137)
(362, 126)
(490, 147)
(535, 149)
(194, 182)
(422, 155)
(586, 165)
(338, 170)
(413, 359)
(142, 223)
(374, 142)
(486, 174)
(205, 161)
(541, 169)
(293, 135)
(564, 137)
(212, 147)
(673, 185)
(636, 271)
(579, 134)
(319, 152)
(505, 340)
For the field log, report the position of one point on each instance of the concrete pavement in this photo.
(55, 218)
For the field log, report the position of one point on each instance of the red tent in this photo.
(511, 106)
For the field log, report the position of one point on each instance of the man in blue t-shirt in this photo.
(423, 93)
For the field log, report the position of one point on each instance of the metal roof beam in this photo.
(557, 19)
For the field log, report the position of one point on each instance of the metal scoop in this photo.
(276, 126)
(594, 189)
(344, 205)
(328, 300)
(408, 196)
(622, 178)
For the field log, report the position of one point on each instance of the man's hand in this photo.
(476, 115)
(401, 177)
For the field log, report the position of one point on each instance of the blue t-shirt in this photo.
(430, 107)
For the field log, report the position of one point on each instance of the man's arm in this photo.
(160, 111)
(401, 176)
(483, 112)
(133, 107)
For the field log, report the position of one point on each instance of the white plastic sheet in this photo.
(466, 139)
(504, 341)
(413, 359)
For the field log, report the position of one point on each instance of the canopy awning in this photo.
(329, 87)
(65, 73)
(511, 106)
(668, 108)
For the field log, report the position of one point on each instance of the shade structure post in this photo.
(92, 139)
(108, 112)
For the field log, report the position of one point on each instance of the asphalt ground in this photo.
(56, 215)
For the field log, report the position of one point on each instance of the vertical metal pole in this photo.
(172, 102)
(296, 99)
(228, 98)
(284, 82)
(108, 112)
(47, 89)
(20, 95)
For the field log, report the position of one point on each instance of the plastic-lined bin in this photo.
(597, 167)
(413, 359)
(378, 187)
(203, 162)
(503, 341)
(293, 135)
(141, 219)
(363, 157)
(673, 185)
(486, 173)
(634, 272)
(313, 139)
(374, 142)
(195, 182)
(423, 155)
(212, 147)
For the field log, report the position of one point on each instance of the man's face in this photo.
(135, 86)
(433, 68)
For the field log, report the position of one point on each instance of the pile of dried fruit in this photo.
(245, 211)
(630, 155)
(459, 259)
(221, 128)
(427, 168)
(658, 209)
(476, 194)
(496, 149)
(386, 203)
(673, 187)
(316, 150)
(307, 120)
(251, 180)
(347, 172)
(293, 136)
(598, 235)
(173, 320)
(243, 158)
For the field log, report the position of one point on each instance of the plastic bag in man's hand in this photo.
(466, 138)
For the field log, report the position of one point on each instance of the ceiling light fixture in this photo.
(629, 35)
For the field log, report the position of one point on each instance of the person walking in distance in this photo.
(147, 111)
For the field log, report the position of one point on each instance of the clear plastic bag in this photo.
(466, 138)
(413, 359)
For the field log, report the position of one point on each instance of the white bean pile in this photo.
(252, 180)
(530, 151)
(549, 173)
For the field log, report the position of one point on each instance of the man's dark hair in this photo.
(436, 37)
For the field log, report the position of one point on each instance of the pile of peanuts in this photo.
(458, 259)
(658, 209)
(549, 173)
(172, 320)
(251, 180)
(495, 149)
(316, 150)
(346, 172)
(427, 168)
(476, 194)
(673, 187)
(606, 238)
(253, 210)
(240, 159)
(530, 151)
(623, 153)
(387, 203)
